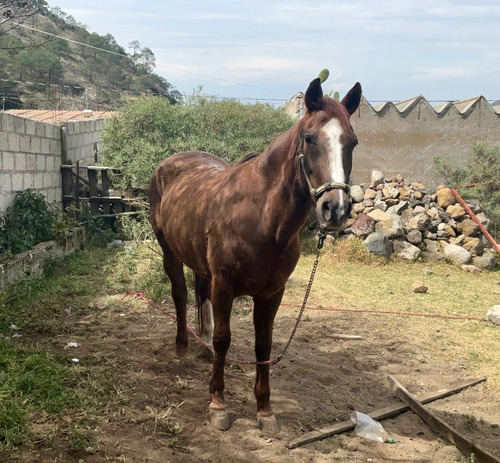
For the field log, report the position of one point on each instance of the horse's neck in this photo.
(288, 200)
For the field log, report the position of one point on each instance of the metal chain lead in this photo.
(321, 240)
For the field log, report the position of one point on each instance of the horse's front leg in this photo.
(264, 312)
(222, 301)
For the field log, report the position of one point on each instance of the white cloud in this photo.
(444, 73)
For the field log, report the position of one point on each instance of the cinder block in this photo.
(49, 163)
(17, 182)
(53, 147)
(6, 201)
(25, 143)
(35, 145)
(20, 162)
(30, 127)
(28, 180)
(47, 180)
(5, 182)
(70, 127)
(31, 162)
(52, 131)
(41, 163)
(51, 195)
(13, 142)
(40, 129)
(45, 146)
(38, 180)
(56, 179)
(8, 161)
(19, 126)
(8, 123)
(3, 141)
(57, 163)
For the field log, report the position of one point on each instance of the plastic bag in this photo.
(369, 428)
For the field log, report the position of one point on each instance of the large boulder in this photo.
(468, 227)
(357, 193)
(486, 261)
(392, 228)
(363, 226)
(377, 178)
(379, 245)
(445, 197)
(457, 254)
(406, 250)
(417, 222)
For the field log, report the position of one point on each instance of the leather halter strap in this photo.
(316, 193)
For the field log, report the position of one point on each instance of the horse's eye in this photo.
(308, 139)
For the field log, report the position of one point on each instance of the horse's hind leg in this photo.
(264, 312)
(175, 272)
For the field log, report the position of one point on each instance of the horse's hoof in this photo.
(268, 425)
(219, 419)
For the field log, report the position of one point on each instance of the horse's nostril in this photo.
(326, 206)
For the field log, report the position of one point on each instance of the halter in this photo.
(316, 193)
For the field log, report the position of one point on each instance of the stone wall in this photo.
(30, 157)
(31, 154)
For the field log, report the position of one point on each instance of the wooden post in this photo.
(77, 191)
(94, 192)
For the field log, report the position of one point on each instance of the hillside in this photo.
(40, 71)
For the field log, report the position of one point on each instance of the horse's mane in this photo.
(248, 156)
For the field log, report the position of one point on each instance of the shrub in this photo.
(27, 222)
(150, 129)
(484, 168)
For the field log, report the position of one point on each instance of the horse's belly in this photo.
(189, 182)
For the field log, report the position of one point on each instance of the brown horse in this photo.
(237, 227)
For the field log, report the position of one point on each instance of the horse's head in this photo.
(326, 143)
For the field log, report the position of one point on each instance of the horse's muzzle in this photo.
(333, 209)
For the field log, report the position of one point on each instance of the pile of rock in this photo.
(394, 216)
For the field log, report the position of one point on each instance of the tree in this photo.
(147, 60)
(15, 12)
(151, 129)
(136, 52)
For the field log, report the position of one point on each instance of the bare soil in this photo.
(164, 417)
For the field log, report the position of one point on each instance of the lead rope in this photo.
(321, 240)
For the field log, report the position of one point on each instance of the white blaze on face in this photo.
(333, 131)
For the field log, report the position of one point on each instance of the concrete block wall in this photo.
(30, 157)
(83, 141)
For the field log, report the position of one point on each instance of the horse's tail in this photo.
(203, 308)
(199, 302)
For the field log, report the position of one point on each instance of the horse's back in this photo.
(180, 189)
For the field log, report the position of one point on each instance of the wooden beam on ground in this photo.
(380, 414)
(447, 432)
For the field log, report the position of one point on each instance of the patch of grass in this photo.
(345, 281)
(30, 380)
(38, 387)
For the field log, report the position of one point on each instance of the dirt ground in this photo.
(320, 382)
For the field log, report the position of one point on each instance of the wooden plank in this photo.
(466, 446)
(118, 214)
(380, 414)
(77, 191)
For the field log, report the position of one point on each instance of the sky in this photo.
(268, 50)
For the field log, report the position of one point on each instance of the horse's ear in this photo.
(314, 96)
(353, 98)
